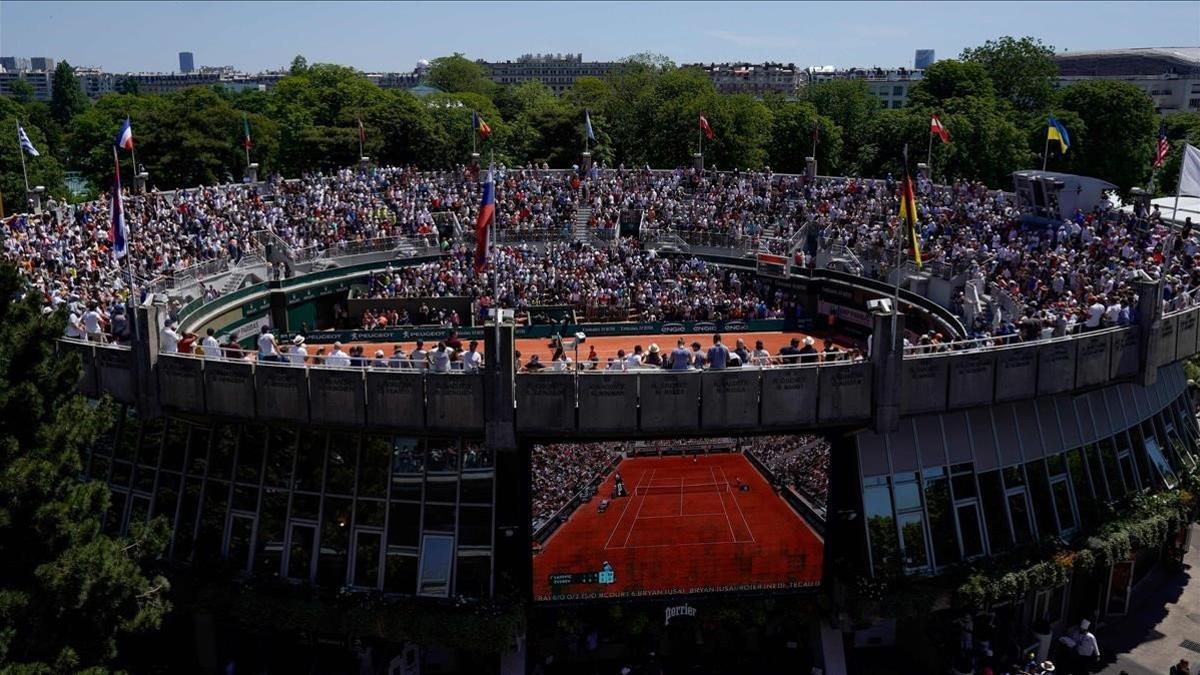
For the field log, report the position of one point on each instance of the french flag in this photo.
(487, 211)
(118, 231)
(125, 136)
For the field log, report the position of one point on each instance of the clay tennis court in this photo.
(607, 345)
(684, 527)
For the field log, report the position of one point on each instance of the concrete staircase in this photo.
(233, 282)
(579, 224)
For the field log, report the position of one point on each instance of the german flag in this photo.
(908, 214)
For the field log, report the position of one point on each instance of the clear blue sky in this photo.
(375, 36)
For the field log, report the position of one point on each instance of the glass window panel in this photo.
(198, 450)
(99, 468)
(1056, 465)
(250, 453)
(281, 451)
(941, 521)
(400, 574)
(476, 491)
(245, 498)
(343, 455)
(166, 498)
(175, 445)
(185, 528)
(407, 491)
(444, 491)
(220, 458)
(473, 579)
(908, 492)
(881, 525)
(912, 540)
(241, 529)
(143, 477)
(442, 456)
(335, 537)
(1043, 504)
(968, 525)
(475, 526)
(964, 486)
(994, 512)
(139, 509)
(127, 435)
(300, 551)
(151, 441)
(1127, 470)
(1062, 505)
(1108, 458)
(369, 512)
(1088, 507)
(439, 518)
(366, 559)
(121, 473)
(306, 506)
(310, 462)
(268, 544)
(404, 525)
(1014, 477)
(1137, 448)
(477, 456)
(406, 457)
(373, 467)
(1179, 449)
(212, 521)
(105, 443)
(1161, 465)
(437, 557)
(1018, 506)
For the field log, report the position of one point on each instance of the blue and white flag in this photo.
(587, 123)
(26, 144)
(118, 232)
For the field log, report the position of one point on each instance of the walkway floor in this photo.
(1149, 640)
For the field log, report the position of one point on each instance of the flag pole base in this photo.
(364, 162)
(475, 160)
(810, 168)
(585, 162)
(140, 180)
(252, 173)
(923, 170)
(34, 197)
(698, 161)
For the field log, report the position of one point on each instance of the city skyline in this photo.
(256, 36)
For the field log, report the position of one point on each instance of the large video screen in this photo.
(677, 517)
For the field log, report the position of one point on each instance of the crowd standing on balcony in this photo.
(1047, 279)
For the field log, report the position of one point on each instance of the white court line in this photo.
(721, 496)
(695, 543)
(627, 501)
(681, 495)
(743, 514)
(686, 515)
(625, 543)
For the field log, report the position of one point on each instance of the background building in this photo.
(556, 71)
(753, 78)
(1169, 75)
(923, 59)
(890, 86)
(187, 62)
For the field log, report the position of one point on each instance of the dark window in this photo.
(941, 521)
(281, 452)
(240, 530)
(445, 491)
(406, 456)
(310, 462)
(221, 457)
(400, 575)
(373, 467)
(212, 520)
(335, 536)
(151, 441)
(300, 551)
(1062, 505)
(1083, 489)
(1108, 456)
(343, 455)
(404, 525)
(968, 525)
(473, 579)
(185, 527)
(475, 526)
(476, 491)
(269, 540)
(175, 445)
(881, 525)
(369, 512)
(197, 459)
(306, 506)
(995, 512)
(245, 498)
(250, 453)
(366, 559)
(1039, 492)
(439, 518)
(1018, 506)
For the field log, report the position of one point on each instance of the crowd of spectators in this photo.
(800, 462)
(563, 471)
(1043, 279)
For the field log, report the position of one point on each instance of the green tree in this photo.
(21, 91)
(1182, 128)
(1118, 141)
(67, 589)
(66, 94)
(1022, 70)
(458, 74)
(792, 124)
(89, 137)
(299, 65)
(126, 85)
(949, 79)
(851, 106)
(652, 60)
(316, 113)
(43, 170)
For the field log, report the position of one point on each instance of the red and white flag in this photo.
(936, 128)
(708, 132)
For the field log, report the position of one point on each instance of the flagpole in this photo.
(929, 156)
(25, 172)
(474, 132)
(1178, 185)
(132, 152)
(115, 226)
(492, 254)
(899, 256)
(1046, 150)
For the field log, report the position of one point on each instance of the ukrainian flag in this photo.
(1057, 132)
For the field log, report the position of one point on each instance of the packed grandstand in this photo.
(1044, 281)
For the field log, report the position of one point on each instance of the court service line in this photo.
(694, 543)
(627, 502)
(739, 506)
(686, 515)
(721, 496)
(625, 544)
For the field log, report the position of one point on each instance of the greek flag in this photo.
(26, 144)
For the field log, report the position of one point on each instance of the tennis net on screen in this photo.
(681, 489)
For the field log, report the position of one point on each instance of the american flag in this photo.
(1164, 147)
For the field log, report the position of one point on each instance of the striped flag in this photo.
(118, 231)
(362, 132)
(908, 214)
(487, 210)
(708, 132)
(26, 144)
(480, 126)
(1164, 147)
(587, 125)
(938, 129)
(124, 138)
(246, 132)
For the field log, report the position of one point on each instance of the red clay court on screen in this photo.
(684, 527)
